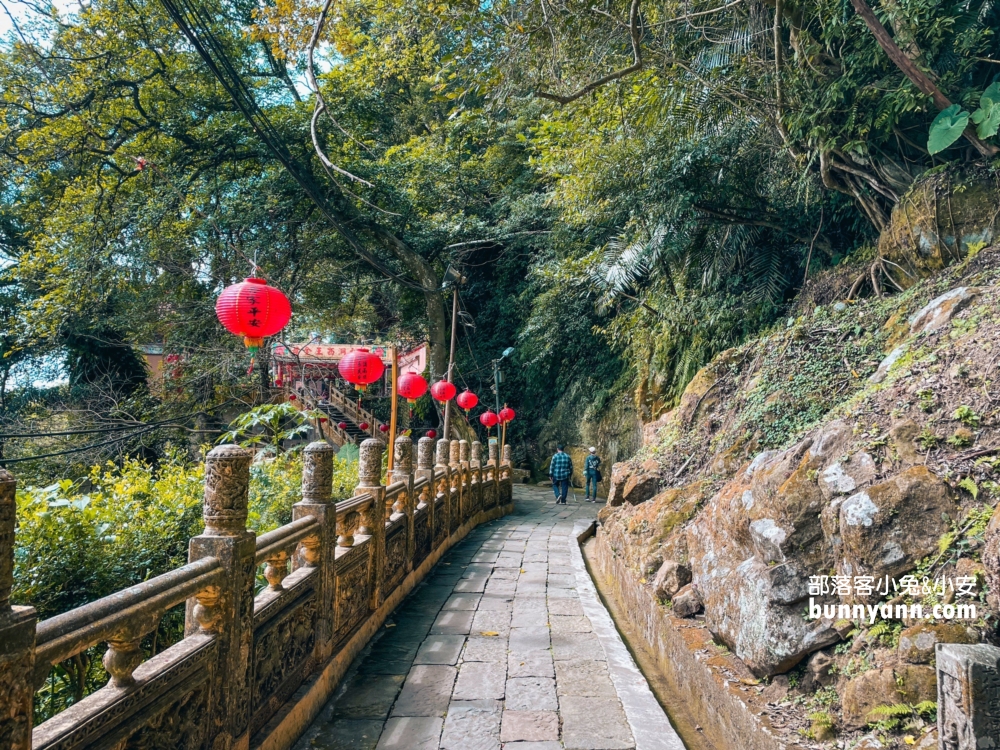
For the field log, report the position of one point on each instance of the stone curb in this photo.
(651, 729)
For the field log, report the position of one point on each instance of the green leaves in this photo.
(947, 128)
(987, 117)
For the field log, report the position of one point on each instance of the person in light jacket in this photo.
(592, 471)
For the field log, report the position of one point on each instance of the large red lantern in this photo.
(443, 390)
(342, 425)
(411, 386)
(361, 368)
(506, 415)
(383, 428)
(431, 434)
(467, 400)
(253, 310)
(364, 426)
(489, 419)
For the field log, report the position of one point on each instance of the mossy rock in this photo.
(936, 223)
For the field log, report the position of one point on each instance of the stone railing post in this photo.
(457, 480)
(506, 462)
(968, 705)
(476, 471)
(320, 549)
(402, 471)
(226, 610)
(17, 636)
(425, 470)
(494, 449)
(444, 483)
(370, 483)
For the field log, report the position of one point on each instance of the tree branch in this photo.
(911, 71)
(635, 34)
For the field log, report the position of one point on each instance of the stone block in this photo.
(529, 726)
(411, 733)
(426, 692)
(968, 696)
(531, 694)
(440, 649)
(472, 725)
(594, 724)
(480, 680)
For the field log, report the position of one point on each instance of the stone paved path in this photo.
(505, 645)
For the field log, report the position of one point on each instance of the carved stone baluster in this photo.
(444, 482)
(494, 449)
(345, 528)
(476, 475)
(276, 570)
(370, 483)
(402, 462)
(425, 470)
(124, 654)
(17, 635)
(228, 611)
(457, 479)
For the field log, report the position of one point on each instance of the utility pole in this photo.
(496, 382)
(451, 359)
(394, 358)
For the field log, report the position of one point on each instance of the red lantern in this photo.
(431, 434)
(364, 426)
(467, 400)
(253, 310)
(292, 397)
(383, 428)
(278, 382)
(411, 386)
(322, 419)
(506, 415)
(361, 368)
(342, 425)
(443, 391)
(489, 419)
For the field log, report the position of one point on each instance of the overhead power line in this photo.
(196, 27)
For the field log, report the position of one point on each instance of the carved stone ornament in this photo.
(309, 550)
(227, 481)
(463, 451)
(454, 453)
(124, 654)
(317, 472)
(494, 452)
(443, 449)
(399, 507)
(402, 455)
(425, 453)
(508, 454)
(425, 496)
(346, 527)
(276, 570)
(370, 463)
(207, 613)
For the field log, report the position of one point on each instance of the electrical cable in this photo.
(195, 27)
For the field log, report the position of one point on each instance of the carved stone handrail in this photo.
(121, 618)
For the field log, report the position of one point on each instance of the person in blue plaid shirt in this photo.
(560, 471)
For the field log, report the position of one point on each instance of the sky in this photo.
(21, 12)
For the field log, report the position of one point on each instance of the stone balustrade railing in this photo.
(251, 670)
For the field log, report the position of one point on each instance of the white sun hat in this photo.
(593, 449)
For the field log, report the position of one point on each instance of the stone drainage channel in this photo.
(505, 645)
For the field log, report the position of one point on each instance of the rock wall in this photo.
(579, 421)
(854, 441)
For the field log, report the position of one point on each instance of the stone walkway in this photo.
(504, 645)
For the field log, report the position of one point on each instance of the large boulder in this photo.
(885, 529)
(934, 225)
(670, 578)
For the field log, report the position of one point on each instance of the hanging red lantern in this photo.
(253, 310)
(361, 368)
(383, 428)
(431, 434)
(411, 386)
(364, 426)
(443, 391)
(467, 400)
(489, 419)
(342, 425)
(506, 415)
(292, 397)
(278, 382)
